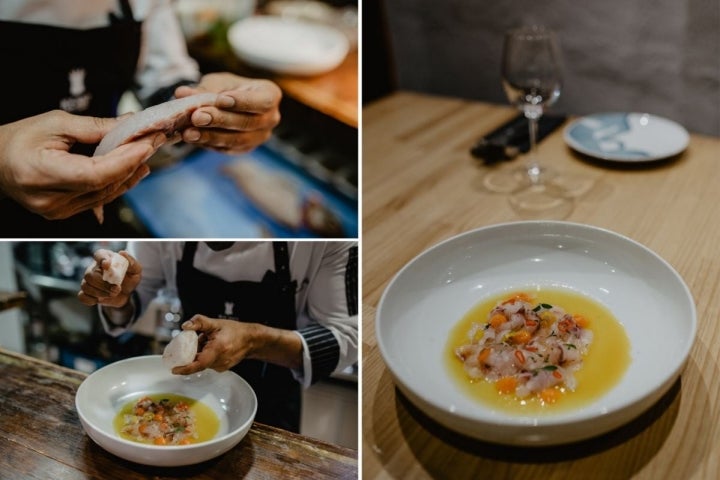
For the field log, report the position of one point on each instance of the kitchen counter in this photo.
(41, 437)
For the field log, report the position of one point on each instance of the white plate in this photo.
(626, 137)
(428, 296)
(102, 394)
(287, 45)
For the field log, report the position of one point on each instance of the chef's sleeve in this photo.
(158, 270)
(330, 334)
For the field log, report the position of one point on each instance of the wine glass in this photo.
(532, 80)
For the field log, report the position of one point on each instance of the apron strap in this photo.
(188, 255)
(282, 264)
(126, 13)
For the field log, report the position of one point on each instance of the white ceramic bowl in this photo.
(103, 393)
(288, 45)
(428, 296)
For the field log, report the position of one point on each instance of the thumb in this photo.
(89, 129)
(102, 258)
(199, 323)
(134, 266)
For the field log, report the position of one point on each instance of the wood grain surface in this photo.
(334, 93)
(41, 438)
(421, 186)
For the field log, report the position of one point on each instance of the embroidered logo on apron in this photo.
(79, 99)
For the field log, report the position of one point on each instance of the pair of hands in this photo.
(223, 343)
(38, 171)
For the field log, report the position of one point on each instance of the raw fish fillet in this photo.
(170, 118)
(118, 266)
(181, 350)
(272, 193)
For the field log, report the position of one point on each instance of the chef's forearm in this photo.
(277, 346)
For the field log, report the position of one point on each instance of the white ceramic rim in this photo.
(561, 419)
(159, 448)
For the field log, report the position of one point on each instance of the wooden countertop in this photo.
(421, 186)
(41, 437)
(334, 93)
(10, 300)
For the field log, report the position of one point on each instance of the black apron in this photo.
(84, 72)
(270, 302)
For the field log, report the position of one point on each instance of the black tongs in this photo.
(512, 138)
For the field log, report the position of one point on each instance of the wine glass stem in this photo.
(533, 166)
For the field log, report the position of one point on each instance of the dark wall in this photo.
(656, 56)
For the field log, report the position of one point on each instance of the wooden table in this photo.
(420, 186)
(10, 300)
(41, 438)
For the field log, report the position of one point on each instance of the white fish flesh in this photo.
(170, 117)
(181, 350)
(118, 267)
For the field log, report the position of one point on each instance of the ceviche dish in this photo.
(541, 350)
(166, 419)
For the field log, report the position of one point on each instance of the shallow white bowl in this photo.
(288, 45)
(428, 296)
(103, 393)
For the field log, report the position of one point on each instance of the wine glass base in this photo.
(573, 186)
(541, 201)
(509, 180)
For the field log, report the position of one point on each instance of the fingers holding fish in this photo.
(110, 279)
(234, 121)
(225, 141)
(223, 344)
(153, 140)
(93, 289)
(239, 94)
(70, 200)
(242, 117)
(91, 174)
(114, 190)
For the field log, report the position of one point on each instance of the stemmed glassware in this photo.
(532, 75)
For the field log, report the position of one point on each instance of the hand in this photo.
(38, 171)
(225, 343)
(242, 118)
(94, 290)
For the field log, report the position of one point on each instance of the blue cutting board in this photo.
(194, 199)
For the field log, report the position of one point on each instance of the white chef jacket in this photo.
(163, 61)
(325, 272)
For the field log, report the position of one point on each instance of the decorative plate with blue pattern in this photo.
(626, 137)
